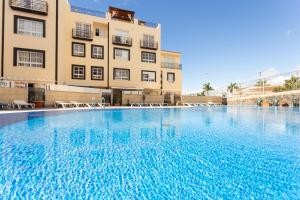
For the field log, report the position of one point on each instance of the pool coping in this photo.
(82, 109)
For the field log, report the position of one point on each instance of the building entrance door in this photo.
(117, 97)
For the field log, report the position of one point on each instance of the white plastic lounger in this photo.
(154, 104)
(22, 104)
(99, 105)
(189, 104)
(136, 105)
(163, 104)
(80, 105)
(63, 104)
(210, 104)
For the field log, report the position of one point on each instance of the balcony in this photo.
(81, 34)
(171, 65)
(122, 40)
(39, 7)
(149, 45)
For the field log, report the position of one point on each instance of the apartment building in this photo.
(54, 42)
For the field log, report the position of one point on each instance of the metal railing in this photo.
(171, 65)
(82, 34)
(149, 45)
(88, 11)
(122, 40)
(148, 24)
(39, 6)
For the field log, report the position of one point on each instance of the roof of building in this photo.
(167, 51)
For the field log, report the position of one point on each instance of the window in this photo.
(121, 74)
(29, 26)
(83, 26)
(97, 73)
(121, 54)
(122, 38)
(122, 33)
(78, 49)
(171, 77)
(149, 76)
(78, 72)
(83, 31)
(169, 62)
(29, 58)
(100, 32)
(148, 57)
(148, 41)
(97, 52)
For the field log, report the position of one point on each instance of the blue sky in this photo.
(222, 41)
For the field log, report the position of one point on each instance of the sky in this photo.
(222, 41)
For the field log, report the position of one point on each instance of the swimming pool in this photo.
(196, 153)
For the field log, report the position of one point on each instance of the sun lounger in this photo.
(135, 105)
(5, 106)
(80, 105)
(154, 104)
(189, 104)
(22, 104)
(63, 104)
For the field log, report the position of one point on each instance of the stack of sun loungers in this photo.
(201, 104)
(148, 104)
(75, 104)
(19, 104)
(4, 106)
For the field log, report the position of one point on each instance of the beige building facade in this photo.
(55, 42)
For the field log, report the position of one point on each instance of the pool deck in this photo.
(81, 109)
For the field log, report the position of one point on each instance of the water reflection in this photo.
(121, 136)
(148, 134)
(96, 136)
(171, 132)
(293, 128)
(117, 116)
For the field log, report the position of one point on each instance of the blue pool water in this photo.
(197, 153)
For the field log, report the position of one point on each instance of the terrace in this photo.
(86, 11)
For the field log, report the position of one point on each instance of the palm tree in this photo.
(260, 83)
(292, 83)
(207, 87)
(232, 87)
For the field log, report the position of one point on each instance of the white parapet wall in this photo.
(67, 88)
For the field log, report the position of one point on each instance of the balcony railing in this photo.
(82, 34)
(148, 24)
(86, 11)
(149, 45)
(171, 65)
(32, 6)
(122, 40)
